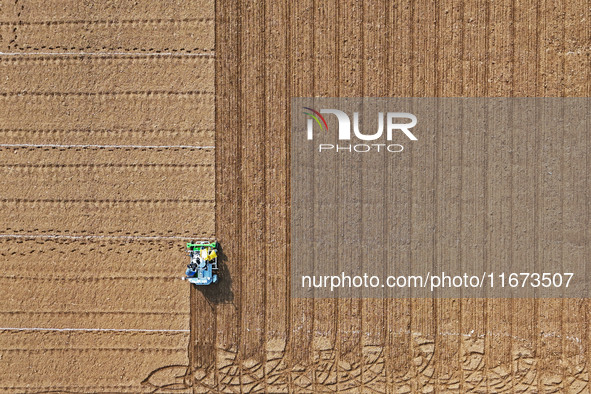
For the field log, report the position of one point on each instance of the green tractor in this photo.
(203, 268)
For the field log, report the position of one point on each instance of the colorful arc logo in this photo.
(315, 115)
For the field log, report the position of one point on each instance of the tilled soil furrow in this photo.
(326, 69)
(104, 112)
(300, 84)
(87, 157)
(117, 74)
(54, 12)
(276, 182)
(113, 219)
(350, 52)
(140, 139)
(106, 183)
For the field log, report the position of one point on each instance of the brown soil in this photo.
(247, 334)
(264, 340)
(92, 246)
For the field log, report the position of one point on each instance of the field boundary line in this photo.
(103, 201)
(90, 279)
(107, 130)
(100, 54)
(123, 237)
(87, 313)
(149, 93)
(90, 329)
(107, 22)
(91, 146)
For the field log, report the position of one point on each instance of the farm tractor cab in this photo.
(203, 268)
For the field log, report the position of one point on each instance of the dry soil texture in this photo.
(106, 169)
(92, 237)
(267, 52)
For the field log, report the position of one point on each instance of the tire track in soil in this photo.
(448, 368)
(301, 84)
(498, 189)
(254, 151)
(348, 349)
(575, 320)
(550, 187)
(277, 274)
(214, 350)
(474, 80)
(525, 84)
(326, 84)
(373, 64)
(399, 83)
(424, 312)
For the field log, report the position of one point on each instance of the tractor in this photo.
(203, 267)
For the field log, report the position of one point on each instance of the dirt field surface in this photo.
(108, 113)
(106, 169)
(269, 52)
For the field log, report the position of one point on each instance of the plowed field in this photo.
(116, 118)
